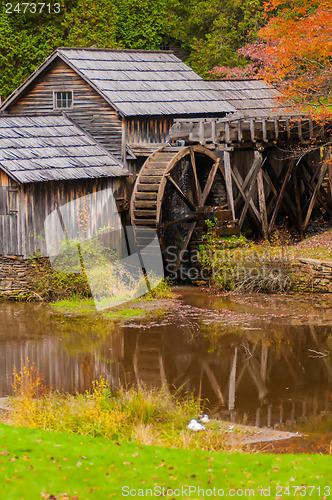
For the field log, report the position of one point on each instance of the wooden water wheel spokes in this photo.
(174, 190)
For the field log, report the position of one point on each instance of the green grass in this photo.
(87, 306)
(35, 464)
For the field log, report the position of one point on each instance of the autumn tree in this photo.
(299, 51)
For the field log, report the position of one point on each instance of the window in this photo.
(8, 200)
(63, 99)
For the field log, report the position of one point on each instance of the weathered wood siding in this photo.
(22, 227)
(89, 110)
(9, 221)
(144, 129)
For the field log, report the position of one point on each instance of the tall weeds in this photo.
(149, 417)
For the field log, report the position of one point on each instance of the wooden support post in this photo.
(298, 202)
(262, 203)
(228, 180)
(273, 178)
(252, 129)
(299, 129)
(227, 133)
(257, 165)
(276, 128)
(241, 185)
(213, 131)
(239, 131)
(281, 195)
(201, 131)
(318, 185)
(264, 131)
(288, 128)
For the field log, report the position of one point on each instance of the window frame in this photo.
(55, 99)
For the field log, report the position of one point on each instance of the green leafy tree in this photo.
(214, 30)
(88, 23)
(210, 31)
(25, 41)
(140, 24)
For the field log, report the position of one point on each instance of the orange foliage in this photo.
(299, 50)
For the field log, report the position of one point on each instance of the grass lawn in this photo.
(38, 464)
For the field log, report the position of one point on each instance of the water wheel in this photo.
(174, 190)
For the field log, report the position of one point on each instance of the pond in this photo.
(262, 360)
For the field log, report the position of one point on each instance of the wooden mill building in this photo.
(233, 150)
(126, 99)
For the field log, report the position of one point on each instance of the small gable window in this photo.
(63, 99)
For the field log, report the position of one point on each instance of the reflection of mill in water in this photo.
(267, 376)
(256, 383)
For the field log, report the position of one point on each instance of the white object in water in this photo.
(195, 426)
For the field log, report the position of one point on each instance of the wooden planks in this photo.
(89, 109)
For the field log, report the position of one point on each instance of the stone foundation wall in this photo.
(18, 277)
(312, 275)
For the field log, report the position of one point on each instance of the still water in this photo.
(257, 359)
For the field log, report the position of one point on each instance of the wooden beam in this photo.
(276, 128)
(197, 189)
(252, 129)
(319, 198)
(264, 132)
(298, 201)
(227, 133)
(286, 199)
(281, 195)
(317, 187)
(262, 203)
(314, 173)
(257, 163)
(181, 193)
(209, 183)
(239, 131)
(228, 181)
(239, 184)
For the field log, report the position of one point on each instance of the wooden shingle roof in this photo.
(51, 147)
(138, 82)
(251, 98)
(146, 82)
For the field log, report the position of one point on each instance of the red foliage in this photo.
(253, 52)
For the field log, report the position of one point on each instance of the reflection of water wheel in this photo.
(174, 190)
